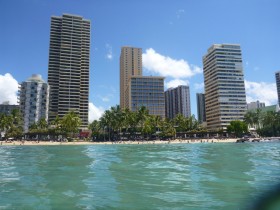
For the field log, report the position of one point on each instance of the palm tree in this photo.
(249, 118)
(3, 122)
(126, 116)
(148, 127)
(95, 127)
(192, 123)
(107, 121)
(17, 117)
(142, 114)
(156, 120)
(181, 122)
(117, 119)
(42, 124)
(269, 121)
(13, 124)
(33, 127)
(133, 122)
(70, 123)
(257, 119)
(167, 129)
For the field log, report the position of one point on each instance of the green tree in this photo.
(95, 128)
(148, 127)
(107, 122)
(117, 119)
(14, 124)
(42, 124)
(167, 129)
(237, 127)
(70, 123)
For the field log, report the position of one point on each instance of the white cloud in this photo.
(256, 68)
(175, 83)
(168, 67)
(94, 112)
(262, 91)
(106, 98)
(199, 86)
(109, 54)
(179, 13)
(8, 89)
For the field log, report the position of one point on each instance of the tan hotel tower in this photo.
(130, 65)
(225, 98)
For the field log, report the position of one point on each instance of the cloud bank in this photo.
(8, 89)
(168, 67)
(94, 112)
(262, 91)
(175, 83)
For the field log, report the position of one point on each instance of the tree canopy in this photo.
(117, 123)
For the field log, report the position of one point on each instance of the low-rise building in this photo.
(7, 108)
(255, 105)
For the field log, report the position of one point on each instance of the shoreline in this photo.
(54, 143)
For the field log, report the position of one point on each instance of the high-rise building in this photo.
(130, 65)
(34, 100)
(255, 105)
(277, 77)
(200, 101)
(177, 101)
(225, 98)
(68, 72)
(146, 91)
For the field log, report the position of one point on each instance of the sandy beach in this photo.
(176, 141)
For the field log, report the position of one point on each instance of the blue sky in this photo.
(174, 33)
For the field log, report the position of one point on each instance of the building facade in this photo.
(6, 108)
(130, 65)
(277, 77)
(200, 101)
(177, 101)
(255, 105)
(68, 71)
(146, 91)
(225, 98)
(33, 100)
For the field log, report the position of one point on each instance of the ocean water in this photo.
(171, 176)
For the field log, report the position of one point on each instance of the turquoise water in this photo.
(171, 176)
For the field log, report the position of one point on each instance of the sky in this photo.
(173, 34)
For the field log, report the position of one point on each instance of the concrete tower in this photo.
(177, 101)
(225, 98)
(34, 100)
(200, 100)
(130, 65)
(68, 72)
